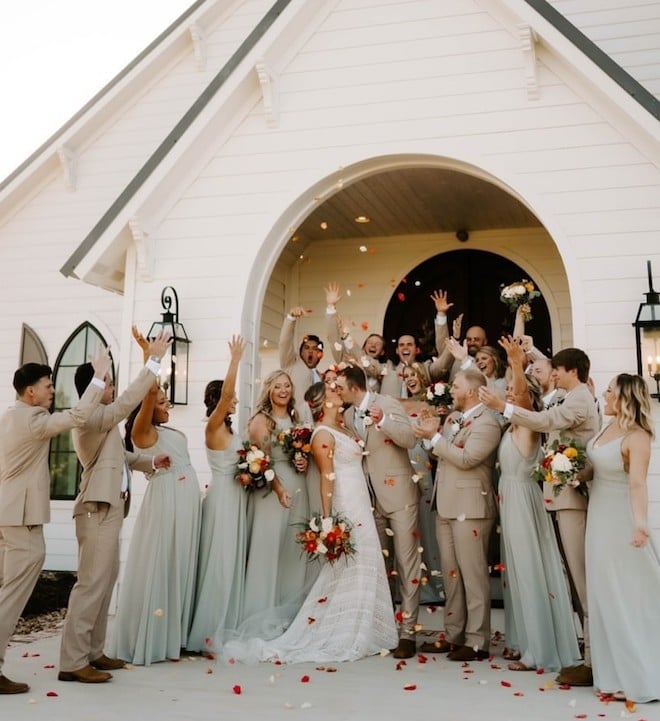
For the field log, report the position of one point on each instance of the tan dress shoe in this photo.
(7, 686)
(104, 663)
(87, 674)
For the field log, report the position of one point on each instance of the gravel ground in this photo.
(44, 612)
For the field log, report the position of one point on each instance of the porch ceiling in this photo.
(415, 201)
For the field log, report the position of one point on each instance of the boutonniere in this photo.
(367, 420)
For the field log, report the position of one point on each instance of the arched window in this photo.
(65, 469)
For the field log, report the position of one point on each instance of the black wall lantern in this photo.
(647, 335)
(174, 365)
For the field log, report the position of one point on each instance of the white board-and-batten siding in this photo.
(371, 84)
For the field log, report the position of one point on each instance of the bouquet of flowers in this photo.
(328, 537)
(519, 294)
(437, 394)
(296, 442)
(253, 469)
(562, 461)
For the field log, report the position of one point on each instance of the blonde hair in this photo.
(265, 405)
(493, 354)
(315, 397)
(634, 403)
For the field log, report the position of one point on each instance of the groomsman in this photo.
(302, 366)
(386, 434)
(465, 500)
(392, 383)
(25, 432)
(99, 510)
(574, 416)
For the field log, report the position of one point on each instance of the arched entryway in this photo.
(415, 206)
(472, 279)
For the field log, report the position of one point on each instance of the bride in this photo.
(348, 611)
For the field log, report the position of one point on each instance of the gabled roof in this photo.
(235, 81)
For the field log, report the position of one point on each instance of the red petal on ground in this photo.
(237, 690)
(50, 665)
(506, 684)
(52, 694)
(410, 687)
(322, 600)
(304, 679)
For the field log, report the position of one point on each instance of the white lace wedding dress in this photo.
(348, 612)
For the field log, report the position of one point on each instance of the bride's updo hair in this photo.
(315, 397)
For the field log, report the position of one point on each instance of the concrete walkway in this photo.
(431, 689)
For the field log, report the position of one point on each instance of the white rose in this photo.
(561, 464)
(321, 548)
(429, 393)
(313, 524)
(269, 475)
(327, 525)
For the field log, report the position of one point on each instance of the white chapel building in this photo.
(259, 149)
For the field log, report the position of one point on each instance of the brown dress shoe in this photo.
(87, 674)
(467, 653)
(103, 663)
(7, 686)
(576, 676)
(440, 646)
(406, 648)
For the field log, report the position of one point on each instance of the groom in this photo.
(386, 434)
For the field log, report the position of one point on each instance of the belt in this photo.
(124, 495)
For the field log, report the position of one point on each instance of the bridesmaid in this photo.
(538, 617)
(415, 382)
(276, 571)
(222, 549)
(156, 596)
(623, 565)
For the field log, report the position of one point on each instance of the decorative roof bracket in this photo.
(144, 250)
(268, 82)
(69, 162)
(198, 38)
(528, 40)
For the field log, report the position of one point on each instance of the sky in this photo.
(57, 54)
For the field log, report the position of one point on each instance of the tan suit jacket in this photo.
(24, 474)
(101, 451)
(387, 463)
(302, 377)
(464, 477)
(576, 416)
(396, 498)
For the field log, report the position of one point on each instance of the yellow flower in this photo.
(529, 286)
(549, 478)
(570, 452)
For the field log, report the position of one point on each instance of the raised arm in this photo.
(514, 354)
(216, 430)
(333, 322)
(287, 350)
(143, 433)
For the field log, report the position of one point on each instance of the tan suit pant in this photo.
(404, 524)
(25, 552)
(464, 562)
(83, 635)
(572, 524)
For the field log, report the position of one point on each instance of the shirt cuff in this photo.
(437, 436)
(330, 310)
(440, 319)
(508, 411)
(153, 365)
(467, 363)
(98, 382)
(290, 317)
